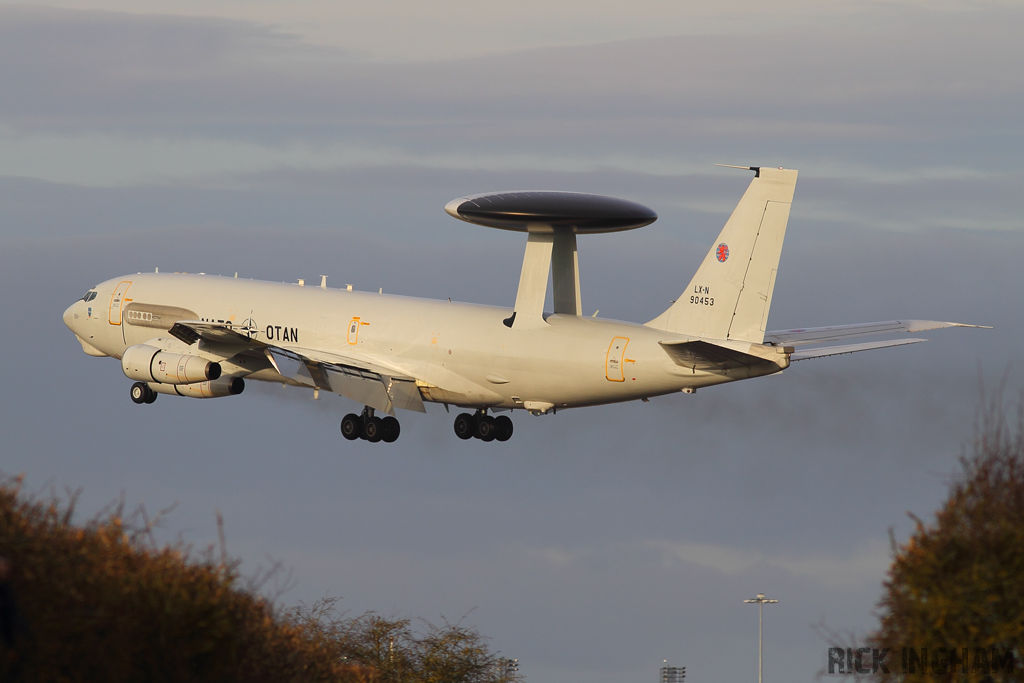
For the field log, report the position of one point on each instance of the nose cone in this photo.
(69, 315)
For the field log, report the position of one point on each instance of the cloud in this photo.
(157, 97)
(408, 201)
(406, 30)
(849, 566)
(866, 563)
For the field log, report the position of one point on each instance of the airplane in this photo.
(203, 336)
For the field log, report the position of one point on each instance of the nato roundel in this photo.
(543, 211)
(722, 252)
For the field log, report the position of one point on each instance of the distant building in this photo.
(508, 669)
(672, 674)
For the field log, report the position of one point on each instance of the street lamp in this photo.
(761, 602)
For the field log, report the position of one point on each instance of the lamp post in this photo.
(761, 602)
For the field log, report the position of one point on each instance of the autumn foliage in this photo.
(103, 602)
(956, 587)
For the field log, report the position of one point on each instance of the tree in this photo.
(398, 653)
(958, 584)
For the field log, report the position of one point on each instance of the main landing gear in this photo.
(141, 393)
(483, 426)
(367, 426)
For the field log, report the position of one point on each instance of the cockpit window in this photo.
(89, 296)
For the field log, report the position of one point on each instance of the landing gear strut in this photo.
(482, 426)
(370, 427)
(141, 393)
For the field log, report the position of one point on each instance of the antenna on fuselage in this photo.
(551, 220)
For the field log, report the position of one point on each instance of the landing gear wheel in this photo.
(390, 429)
(351, 427)
(465, 426)
(486, 430)
(503, 427)
(373, 431)
(150, 395)
(139, 393)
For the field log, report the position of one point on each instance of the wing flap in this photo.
(382, 388)
(368, 392)
(812, 335)
(825, 351)
(405, 394)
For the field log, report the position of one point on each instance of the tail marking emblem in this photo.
(722, 252)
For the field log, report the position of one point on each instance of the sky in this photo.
(289, 140)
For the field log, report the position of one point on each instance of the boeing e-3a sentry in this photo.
(202, 336)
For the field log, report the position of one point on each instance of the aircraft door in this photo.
(614, 358)
(117, 301)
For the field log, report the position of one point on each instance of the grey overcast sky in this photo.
(287, 140)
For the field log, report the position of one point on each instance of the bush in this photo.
(102, 602)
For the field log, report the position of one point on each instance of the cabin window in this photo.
(145, 316)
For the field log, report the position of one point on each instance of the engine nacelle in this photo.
(149, 364)
(223, 386)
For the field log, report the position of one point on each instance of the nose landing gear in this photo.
(369, 427)
(482, 426)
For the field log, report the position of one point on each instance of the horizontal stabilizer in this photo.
(825, 351)
(812, 335)
(702, 355)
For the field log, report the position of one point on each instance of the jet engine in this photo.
(223, 386)
(149, 364)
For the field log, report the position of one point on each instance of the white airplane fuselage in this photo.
(460, 353)
(204, 336)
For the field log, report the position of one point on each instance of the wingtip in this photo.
(923, 325)
(978, 327)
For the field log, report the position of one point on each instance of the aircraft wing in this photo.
(380, 387)
(191, 331)
(824, 351)
(812, 335)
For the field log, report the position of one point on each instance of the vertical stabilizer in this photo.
(731, 293)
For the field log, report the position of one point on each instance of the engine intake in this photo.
(149, 364)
